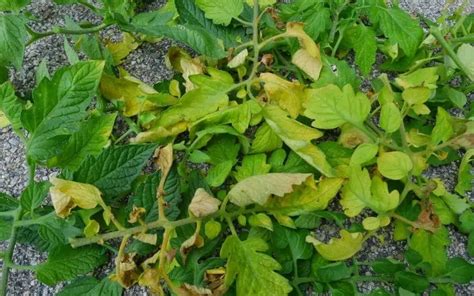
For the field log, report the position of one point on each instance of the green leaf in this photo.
(464, 175)
(332, 272)
(361, 192)
(217, 174)
(252, 165)
(465, 53)
(65, 263)
(431, 247)
(398, 26)
(266, 140)
(387, 266)
(221, 12)
(390, 117)
(6, 226)
(7, 203)
(196, 37)
(10, 105)
(331, 107)
(90, 286)
(33, 196)
(425, 77)
(192, 15)
(443, 129)
(245, 260)
(144, 196)
(71, 54)
(55, 232)
(115, 168)
(362, 39)
(13, 37)
(364, 153)
(394, 165)
(193, 270)
(459, 270)
(261, 220)
(411, 281)
(258, 189)
(284, 239)
(88, 141)
(58, 107)
(338, 249)
(13, 4)
(298, 137)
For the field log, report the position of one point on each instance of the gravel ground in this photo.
(147, 63)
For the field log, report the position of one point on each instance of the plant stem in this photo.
(79, 242)
(412, 223)
(449, 50)
(242, 21)
(38, 35)
(464, 39)
(7, 258)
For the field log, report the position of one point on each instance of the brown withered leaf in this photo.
(203, 204)
(427, 217)
(127, 272)
(164, 159)
(135, 214)
(194, 241)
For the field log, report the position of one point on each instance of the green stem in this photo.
(7, 258)
(38, 35)
(449, 50)
(39, 220)
(242, 21)
(79, 242)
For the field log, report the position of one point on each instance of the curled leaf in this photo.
(203, 204)
(66, 195)
(308, 57)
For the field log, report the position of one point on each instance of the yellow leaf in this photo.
(340, 248)
(133, 92)
(67, 195)
(288, 95)
(203, 204)
(308, 58)
(239, 59)
(3, 120)
(182, 62)
(147, 238)
(120, 50)
(164, 159)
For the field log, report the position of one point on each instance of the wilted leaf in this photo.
(203, 204)
(258, 189)
(66, 195)
(339, 248)
(308, 58)
(288, 95)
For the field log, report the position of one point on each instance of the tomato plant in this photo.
(265, 131)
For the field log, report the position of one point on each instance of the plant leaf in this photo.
(10, 105)
(258, 189)
(13, 37)
(252, 165)
(465, 53)
(288, 95)
(90, 286)
(340, 248)
(115, 168)
(431, 247)
(464, 175)
(394, 165)
(266, 140)
(390, 117)
(298, 137)
(221, 12)
(58, 107)
(245, 260)
(65, 263)
(398, 26)
(331, 107)
(362, 39)
(88, 141)
(33, 196)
